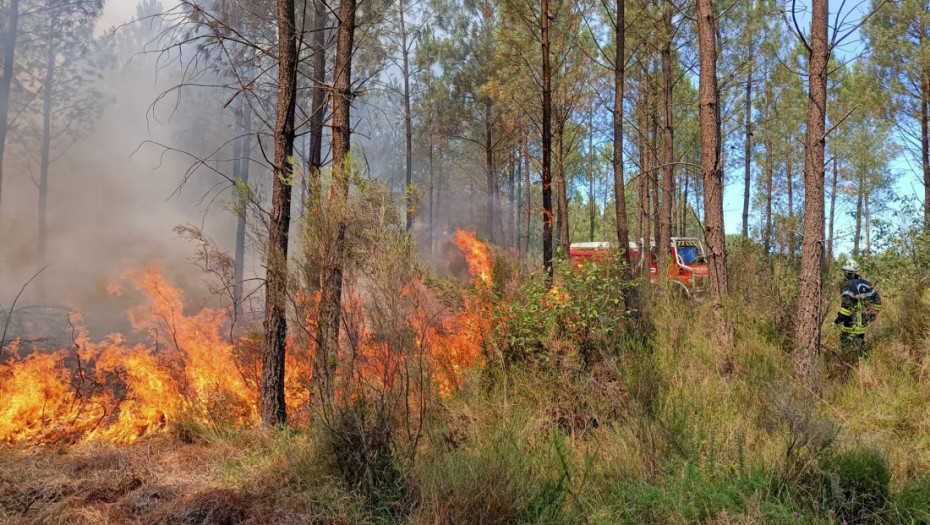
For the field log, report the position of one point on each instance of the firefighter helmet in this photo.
(851, 266)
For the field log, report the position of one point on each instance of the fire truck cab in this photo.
(687, 269)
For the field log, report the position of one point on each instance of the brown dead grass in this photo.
(160, 481)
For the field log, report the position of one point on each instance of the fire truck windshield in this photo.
(688, 254)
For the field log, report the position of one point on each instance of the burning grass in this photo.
(190, 369)
(568, 417)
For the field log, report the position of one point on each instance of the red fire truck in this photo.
(687, 269)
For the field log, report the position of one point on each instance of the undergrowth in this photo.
(582, 412)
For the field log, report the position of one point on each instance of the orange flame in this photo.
(189, 369)
(476, 255)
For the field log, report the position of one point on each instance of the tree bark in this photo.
(273, 407)
(408, 121)
(6, 82)
(623, 229)
(683, 230)
(490, 172)
(655, 161)
(430, 146)
(829, 258)
(868, 226)
(546, 139)
(663, 240)
(807, 359)
(517, 218)
(747, 148)
(709, 115)
(529, 198)
(645, 155)
(925, 145)
(858, 234)
(331, 299)
(562, 208)
(591, 206)
(789, 175)
(241, 166)
(512, 239)
(47, 102)
(769, 171)
(320, 21)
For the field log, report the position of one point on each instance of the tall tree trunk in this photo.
(331, 299)
(623, 228)
(529, 198)
(683, 231)
(747, 148)
(655, 212)
(546, 138)
(562, 215)
(868, 226)
(789, 174)
(440, 218)
(47, 103)
(645, 162)
(709, 115)
(512, 238)
(408, 120)
(769, 169)
(517, 218)
(668, 163)
(591, 206)
(273, 407)
(320, 21)
(925, 144)
(807, 359)
(6, 82)
(858, 235)
(832, 208)
(490, 172)
(429, 148)
(243, 148)
(317, 119)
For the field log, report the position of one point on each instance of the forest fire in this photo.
(114, 391)
(476, 255)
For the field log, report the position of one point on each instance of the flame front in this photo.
(118, 392)
(477, 256)
(190, 368)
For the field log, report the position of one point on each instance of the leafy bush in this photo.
(857, 483)
(584, 311)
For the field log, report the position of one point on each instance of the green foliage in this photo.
(913, 502)
(688, 492)
(857, 483)
(904, 270)
(584, 310)
(499, 478)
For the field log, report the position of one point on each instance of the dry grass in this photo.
(160, 481)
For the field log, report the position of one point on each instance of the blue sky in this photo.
(906, 172)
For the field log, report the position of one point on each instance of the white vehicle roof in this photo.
(592, 245)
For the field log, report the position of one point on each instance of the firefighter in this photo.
(860, 305)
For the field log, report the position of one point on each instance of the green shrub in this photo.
(856, 483)
(913, 502)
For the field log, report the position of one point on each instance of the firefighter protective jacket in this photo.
(861, 304)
